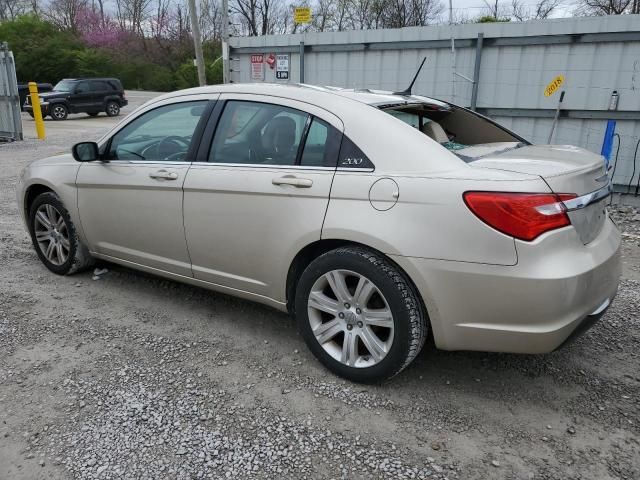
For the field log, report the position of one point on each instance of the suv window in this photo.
(162, 134)
(258, 133)
(99, 86)
(321, 146)
(82, 87)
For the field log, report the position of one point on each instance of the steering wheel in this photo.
(172, 145)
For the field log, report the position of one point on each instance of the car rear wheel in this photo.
(113, 109)
(59, 112)
(54, 236)
(360, 315)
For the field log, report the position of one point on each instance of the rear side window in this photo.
(258, 134)
(322, 146)
(352, 157)
(98, 86)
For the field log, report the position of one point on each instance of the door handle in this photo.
(164, 175)
(293, 181)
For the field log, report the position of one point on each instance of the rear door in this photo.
(259, 191)
(131, 204)
(100, 90)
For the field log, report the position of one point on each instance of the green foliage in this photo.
(44, 53)
(491, 19)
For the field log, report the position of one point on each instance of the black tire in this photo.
(59, 111)
(112, 109)
(93, 114)
(409, 318)
(78, 257)
(31, 114)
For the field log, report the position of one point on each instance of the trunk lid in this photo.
(566, 169)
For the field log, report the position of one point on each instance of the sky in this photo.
(473, 8)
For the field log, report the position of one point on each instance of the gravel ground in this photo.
(132, 376)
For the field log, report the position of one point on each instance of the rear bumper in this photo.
(559, 286)
(588, 322)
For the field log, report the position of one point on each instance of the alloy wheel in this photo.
(350, 318)
(52, 234)
(59, 112)
(113, 109)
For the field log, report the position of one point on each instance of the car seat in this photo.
(278, 140)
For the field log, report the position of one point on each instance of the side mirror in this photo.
(85, 152)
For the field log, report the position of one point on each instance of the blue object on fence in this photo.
(607, 142)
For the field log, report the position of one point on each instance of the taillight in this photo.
(525, 216)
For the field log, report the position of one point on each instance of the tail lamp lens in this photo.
(524, 216)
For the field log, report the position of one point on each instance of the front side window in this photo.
(82, 87)
(162, 134)
(258, 133)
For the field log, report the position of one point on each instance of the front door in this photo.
(261, 192)
(82, 97)
(131, 204)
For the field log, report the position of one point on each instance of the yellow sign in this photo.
(554, 85)
(302, 15)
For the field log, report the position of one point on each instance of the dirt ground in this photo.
(132, 376)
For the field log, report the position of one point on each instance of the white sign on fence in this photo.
(257, 67)
(282, 67)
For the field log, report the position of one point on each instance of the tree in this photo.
(608, 7)
(543, 9)
(64, 13)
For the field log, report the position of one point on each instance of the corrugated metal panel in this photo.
(10, 121)
(596, 55)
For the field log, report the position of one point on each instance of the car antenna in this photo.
(407, 92)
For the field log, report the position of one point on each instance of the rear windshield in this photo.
(463, 132)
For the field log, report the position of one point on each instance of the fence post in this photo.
(9, 94)
(476, 71)
(301, 62)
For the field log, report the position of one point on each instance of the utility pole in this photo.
(453, 54)
(197, 43)
(225, 41)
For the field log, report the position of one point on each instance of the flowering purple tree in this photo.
(98, 31)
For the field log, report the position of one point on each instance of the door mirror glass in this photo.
(85, 151)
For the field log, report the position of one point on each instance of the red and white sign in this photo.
(271, 61)
(257, 67)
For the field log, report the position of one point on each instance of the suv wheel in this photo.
(113, 109)
(54, 236)
(359, 315)
(59, 111)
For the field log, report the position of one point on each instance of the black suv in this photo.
(76, 95)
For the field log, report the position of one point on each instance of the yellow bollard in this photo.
(37, 112)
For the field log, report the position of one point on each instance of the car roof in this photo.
(89, 78)
(377, 98)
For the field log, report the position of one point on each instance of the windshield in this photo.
(64, 86)
(464, 133)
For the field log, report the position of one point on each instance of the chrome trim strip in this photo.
(601, 308)
(260, 165)
(589, 198)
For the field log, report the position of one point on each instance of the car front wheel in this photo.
(59, 112)
(360, 315)
(54, 236)
(113, 109)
